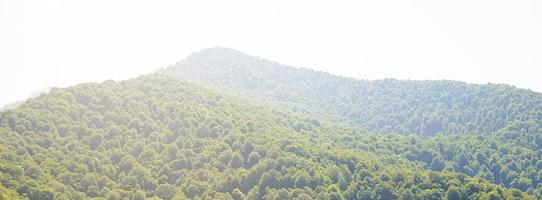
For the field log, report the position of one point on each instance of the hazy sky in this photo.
(63, 42)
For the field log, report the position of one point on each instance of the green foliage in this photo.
(487, 131)
(143, 138)
(384, 106)
(158, 137)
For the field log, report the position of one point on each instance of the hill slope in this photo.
(488, 131)
(389, 106)
(157, 137)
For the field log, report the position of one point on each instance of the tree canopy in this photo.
(224, 125)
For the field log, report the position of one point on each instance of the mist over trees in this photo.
(424, 108)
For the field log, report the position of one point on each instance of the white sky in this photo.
(47, 43)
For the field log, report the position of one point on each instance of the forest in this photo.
(225, 125)
(426, 108)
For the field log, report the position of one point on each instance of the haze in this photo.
(61, 43)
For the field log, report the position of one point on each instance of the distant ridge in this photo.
(388, 105)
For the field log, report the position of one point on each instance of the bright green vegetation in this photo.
(238, 127)
(161, 138)
(487, 131)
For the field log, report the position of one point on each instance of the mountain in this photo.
(157, 137)
(424, 108)
(225, 125)
(488, 131)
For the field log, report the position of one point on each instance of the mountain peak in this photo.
(222, 60)
(218, 49)
(217, 52)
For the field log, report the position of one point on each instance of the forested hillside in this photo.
(388, 106)
(161, 138)
(499, 158)
(488, 131)
(225, 125)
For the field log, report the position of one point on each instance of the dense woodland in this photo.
(426, 108)
(224, 125)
